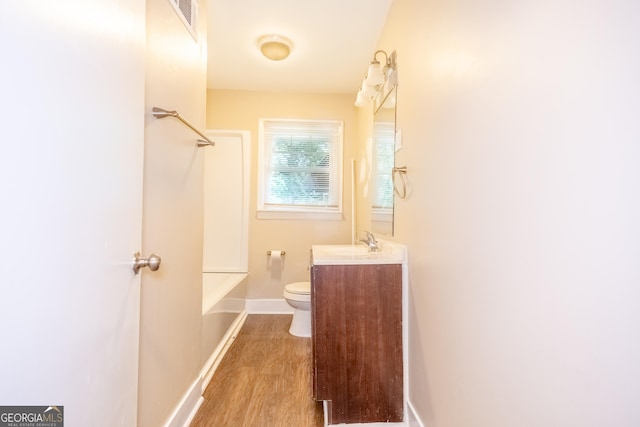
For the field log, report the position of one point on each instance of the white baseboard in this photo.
(268, 306)
(412, 416)
(186, 410)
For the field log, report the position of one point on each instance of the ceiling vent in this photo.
(187, 10)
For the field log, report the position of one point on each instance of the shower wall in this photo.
(225, 245)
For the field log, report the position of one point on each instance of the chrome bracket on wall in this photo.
(161, 113)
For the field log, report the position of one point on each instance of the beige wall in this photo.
(240, 110)
(520, 124)
(171, 307)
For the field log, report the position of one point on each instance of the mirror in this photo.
(384, 147)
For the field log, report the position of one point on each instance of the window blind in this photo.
(302, 165)
(384, 161)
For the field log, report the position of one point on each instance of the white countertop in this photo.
(389, 253)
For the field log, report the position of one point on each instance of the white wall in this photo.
(522, 142)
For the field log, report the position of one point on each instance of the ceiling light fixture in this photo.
(275, 47)
(379, 79)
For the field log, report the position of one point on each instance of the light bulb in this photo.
(375, 76)
(367, 90)
(362, 100)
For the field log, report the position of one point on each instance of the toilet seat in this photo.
(298, 291)
(299, 288)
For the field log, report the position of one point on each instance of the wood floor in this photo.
(264, 380)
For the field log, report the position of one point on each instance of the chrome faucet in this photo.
(370, 241)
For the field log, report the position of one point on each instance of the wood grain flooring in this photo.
(264, 380)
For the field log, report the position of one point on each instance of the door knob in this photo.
(153, 262)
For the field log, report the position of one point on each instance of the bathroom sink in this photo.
(356, 254)
(345, 250)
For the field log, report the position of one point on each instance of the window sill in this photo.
(269, 214)
(382, 214)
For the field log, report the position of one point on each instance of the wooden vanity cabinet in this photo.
(356, 317)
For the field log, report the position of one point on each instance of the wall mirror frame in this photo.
(383, 157)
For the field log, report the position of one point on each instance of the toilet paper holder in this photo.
(282, 253)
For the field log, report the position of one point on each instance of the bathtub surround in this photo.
(226, 230)
(226, 202)
(226, 239)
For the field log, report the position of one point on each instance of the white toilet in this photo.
(298, 295)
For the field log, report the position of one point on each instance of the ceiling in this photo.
(333, 43)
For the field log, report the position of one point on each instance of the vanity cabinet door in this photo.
(357, 341)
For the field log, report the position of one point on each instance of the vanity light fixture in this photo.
(378, 78)
(275, 47)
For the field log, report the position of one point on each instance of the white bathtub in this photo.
(223, 308)
(216, 290)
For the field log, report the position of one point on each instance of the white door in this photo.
(71, 131)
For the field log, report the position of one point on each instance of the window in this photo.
(383, 159)
(300, 169)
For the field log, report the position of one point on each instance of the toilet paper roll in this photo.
(276, 254)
